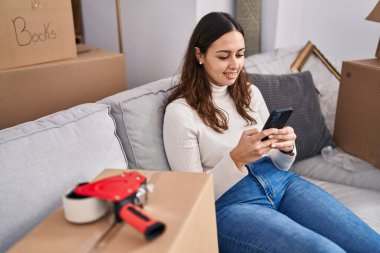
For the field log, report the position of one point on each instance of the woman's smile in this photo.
(231, 75)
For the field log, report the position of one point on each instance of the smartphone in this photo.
(277, 119)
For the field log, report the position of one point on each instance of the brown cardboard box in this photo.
(35, 31)
(357, 123)
(28, 93)
(183, 201)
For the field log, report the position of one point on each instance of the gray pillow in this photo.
(297, 91)
(139, 114)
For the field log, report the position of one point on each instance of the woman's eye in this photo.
(225, 57)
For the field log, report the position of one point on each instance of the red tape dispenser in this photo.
(128, 192)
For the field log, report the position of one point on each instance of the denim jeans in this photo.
(271, 210)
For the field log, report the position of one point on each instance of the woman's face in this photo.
(224, 59)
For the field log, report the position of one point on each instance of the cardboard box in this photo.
(357, 123)
(35, 31)
(183, 201)
(28, 93)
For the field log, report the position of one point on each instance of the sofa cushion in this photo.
(297, 91)
(335, 165)
(42, 159)
(364, 203)
(139, 117)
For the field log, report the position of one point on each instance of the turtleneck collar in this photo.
(219, 91)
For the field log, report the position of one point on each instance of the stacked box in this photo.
(35, 31)
(28, 93)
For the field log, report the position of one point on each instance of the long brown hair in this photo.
(194, 85)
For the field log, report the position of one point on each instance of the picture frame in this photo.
(304, 55)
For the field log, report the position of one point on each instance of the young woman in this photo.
(212, 124)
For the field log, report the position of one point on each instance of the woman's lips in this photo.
(230, 75)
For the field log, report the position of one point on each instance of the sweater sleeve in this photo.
(226, 174)
(182, 149)
(280, 159)
(180, 139)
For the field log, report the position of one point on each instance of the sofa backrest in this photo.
(42, 159)
(138, 114)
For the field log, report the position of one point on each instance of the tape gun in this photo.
(127, 192)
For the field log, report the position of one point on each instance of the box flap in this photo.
(375, 13)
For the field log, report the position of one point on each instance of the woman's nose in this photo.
(233, 64)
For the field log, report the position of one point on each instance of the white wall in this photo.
(207, 6)
(100, 24)
(155, 32)
(155, 37)
(337, 27)
(269, 13)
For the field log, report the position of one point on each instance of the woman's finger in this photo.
(283, 137)
(284, 144)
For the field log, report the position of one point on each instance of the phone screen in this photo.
(277, 119)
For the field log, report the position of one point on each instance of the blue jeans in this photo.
(271, 210)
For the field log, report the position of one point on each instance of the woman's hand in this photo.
(284, 140)
(250, 147)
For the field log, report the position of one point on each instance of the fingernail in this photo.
(270, 136)
(273, 145)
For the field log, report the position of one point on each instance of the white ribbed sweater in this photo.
(192, 146)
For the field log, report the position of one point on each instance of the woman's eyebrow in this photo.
(228, 51)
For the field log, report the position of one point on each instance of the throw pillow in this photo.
(139, 114)
(297, 91)
(279, 61)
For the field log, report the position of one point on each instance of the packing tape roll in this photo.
(83, 209)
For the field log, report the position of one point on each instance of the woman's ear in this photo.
(199, 55)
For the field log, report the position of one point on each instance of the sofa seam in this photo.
(128, 139)
(117, 137)
(53, 127)
(147, 94)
